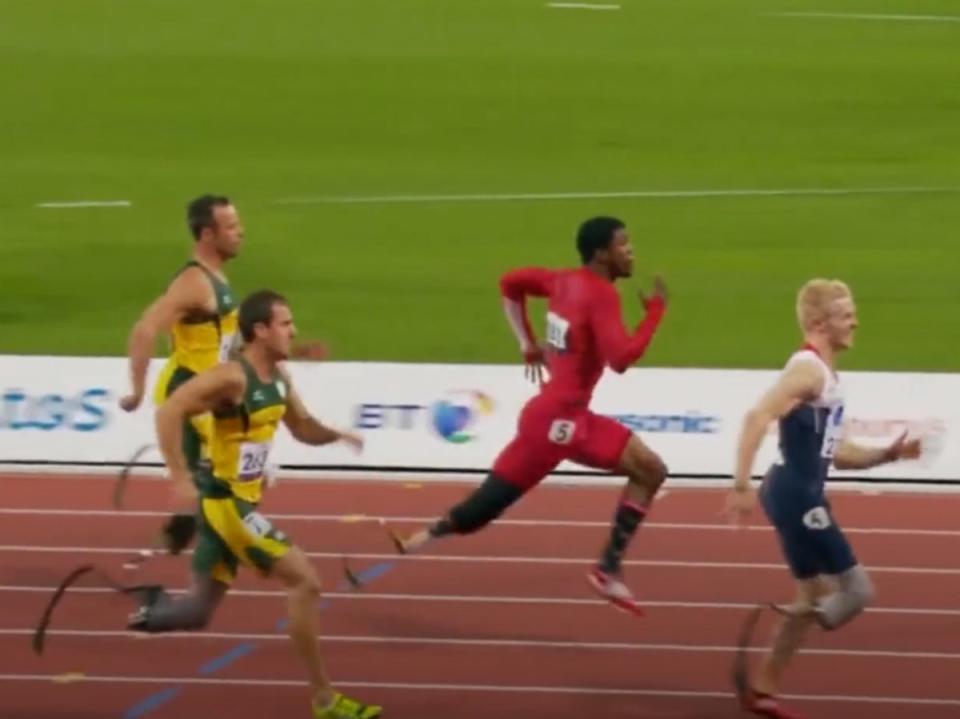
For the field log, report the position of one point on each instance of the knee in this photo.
(308, 586)
(650, 471)
(854, 594)
(660, 471)
(202, 618)
(864, 591)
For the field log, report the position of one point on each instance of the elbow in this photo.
(143, 333)
(755, 421)
(841, 463)
(508, 290)
(621, 363)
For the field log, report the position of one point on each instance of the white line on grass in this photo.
(581, 6)
(612, 195)
(868, 16)
(83, 203)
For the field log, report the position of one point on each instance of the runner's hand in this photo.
(534, 361)
(740, 504)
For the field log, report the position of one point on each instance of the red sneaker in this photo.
(614, 591)
(765, 705)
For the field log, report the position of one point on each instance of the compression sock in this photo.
(626, 520)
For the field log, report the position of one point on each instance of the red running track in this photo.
(498, 624)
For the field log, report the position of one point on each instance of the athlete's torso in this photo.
(810, 433)
(574, 359)
(204, 339)
(241, 436)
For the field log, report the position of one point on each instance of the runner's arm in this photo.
(802, 381)
(305, 427)
(222, 385)
(850, 455)
(619, 349)
(515, 287)
(188, 292)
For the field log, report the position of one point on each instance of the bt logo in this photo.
(453, 418)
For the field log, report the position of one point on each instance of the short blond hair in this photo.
(815, 297)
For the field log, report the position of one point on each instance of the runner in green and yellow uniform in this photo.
(197, 310)
(247, 397)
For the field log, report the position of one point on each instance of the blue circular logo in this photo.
(453, 418)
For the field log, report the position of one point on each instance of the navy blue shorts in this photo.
(810, 539)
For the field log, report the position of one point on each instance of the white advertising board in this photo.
(62, 410)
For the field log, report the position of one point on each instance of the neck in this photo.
(600, 270)
(261, 361)
(208, 257)
(821, 346)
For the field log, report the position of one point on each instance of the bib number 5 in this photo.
(561, 431)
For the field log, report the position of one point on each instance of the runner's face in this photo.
(278, 336)
(227, 231)
(841, 323)
(621, 254)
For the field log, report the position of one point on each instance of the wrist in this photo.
(890, 454)
(656, 305)
(741, 484)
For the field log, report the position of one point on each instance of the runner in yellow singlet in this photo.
(197, 310)
(247, 397)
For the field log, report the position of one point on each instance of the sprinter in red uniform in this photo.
(585, 334)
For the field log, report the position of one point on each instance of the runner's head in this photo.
(266, 321)
(604, 243)
(213, 221)
(825, 308)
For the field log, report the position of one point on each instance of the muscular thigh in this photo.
(599, 442)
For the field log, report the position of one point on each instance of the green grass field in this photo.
(159, 100)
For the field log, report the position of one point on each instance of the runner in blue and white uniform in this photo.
(807, 402)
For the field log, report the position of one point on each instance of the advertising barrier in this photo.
(456, 418)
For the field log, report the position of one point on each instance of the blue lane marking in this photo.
(152, 702)
(226, 659)
(375, 572)
(157, 700)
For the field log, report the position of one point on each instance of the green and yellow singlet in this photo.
(200, 342)
(241, 438)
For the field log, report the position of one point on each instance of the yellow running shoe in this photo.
(345, 708)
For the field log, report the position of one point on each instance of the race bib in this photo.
(252, 460)
(557, 329)
(226, 346)
(561, 431)
(257, 524)
(833, 433)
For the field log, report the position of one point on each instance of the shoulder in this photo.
(805, 369)
(232, 373)
(809, 360)
(601, 292)
(191, 285)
